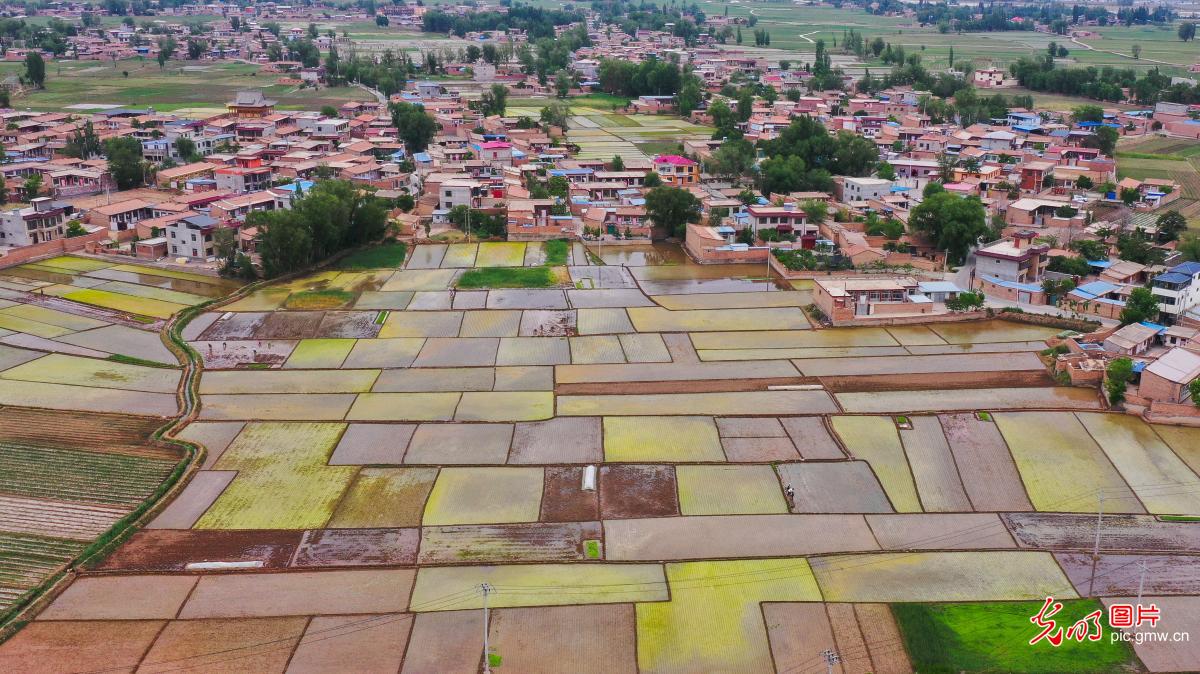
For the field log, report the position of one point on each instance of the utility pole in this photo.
(486, 589)
(831, 658)
(1142, 579)
(1096, 545)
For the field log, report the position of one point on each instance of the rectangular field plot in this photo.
(1071, 476)
(385, 497)
(706, 600)
(279, 406)
(834, 487)
(283, 481)
(1161, 480)
(987, 470)
(91, 372)
(484, 496)
(86, 398)
(299, 593)
(284, 381)
(583, 639)
(449, 588)
(25, 561)
(933, 466)
(940, 576)
(656, 319)
(729, 490)
(746, 402)
(661, 439)
(875, 440)
(976, 332)
(320, 353)
(969, 399)
(500, 254)
(709, 536)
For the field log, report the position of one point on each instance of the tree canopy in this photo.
(415, 126)
(672, 208)
(333, 216)
(954, 223)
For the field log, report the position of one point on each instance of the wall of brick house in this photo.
(1155, 387)
(1010, 294)
(712, 255)
(56, 247)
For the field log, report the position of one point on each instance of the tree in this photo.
(1130, 195)
(35, 69)
(84, 143)
(966, 301)
(125, 161)
(1137, 247)
(672, 208)
(617, 163)
(196, 48)
(333, 216)
(166, 49)
(689, 97)
(494, 101)
(1137, 51)
(562, 83)
(1170, 225)
(225, 246)
(954, 223)
(733, 159)
(1188, 246)
(186, 148)
(1090, 249)
(415, 126)
(886, 171)
(1104, 138)
(1187, 31)
(1087, 113)
(1194, 392)
(652, 179)
(75, 228)
(556, 114)
(381, 21)
(32, 186)
(1118, 374)
(815, 211)
(328, 111)
(1141, 306)
(1084, 183)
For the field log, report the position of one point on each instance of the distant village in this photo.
(1058, 220)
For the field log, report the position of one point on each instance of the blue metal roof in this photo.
(1173, 277)
(1189, 268)
(1096, 289)
(1100, 264)
(1160, 328)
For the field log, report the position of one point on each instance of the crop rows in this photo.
(26, 560)
(76, 475)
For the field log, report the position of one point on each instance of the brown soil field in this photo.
(487, 544)
(839, 487)
(215, 437)
(597, 639)
(172, 550)
(985, 464)
(798, 632)
(440, 444)
(447, 642)
(240, 325)
(121, 598)
(935, 381)
(941, 531)
(253, 595)
(1068, 531)
(883, 639)
(288, 325)
(114, 433)
(637, 491)
(812, 438)
(542, 442)
(1118, 575)
(563, 500)
(219, 646)
(55, 647)
(357, 547)
(849, 637)
(729, 536)
(934, 471)
(375, 644)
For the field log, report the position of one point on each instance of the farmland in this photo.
(678, 450)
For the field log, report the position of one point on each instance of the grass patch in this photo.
(1179, 518)
(131, 360)
(1148, 155)
(606, 100)
(381, 317)
(652, 148)
(994, 637)
(508, 277)
(316, 300)
(983, 416)
(591, 549)
(556, 252)
(384, 256)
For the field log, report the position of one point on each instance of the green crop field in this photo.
(93, 477)
(993, 637)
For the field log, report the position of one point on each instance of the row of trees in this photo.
(333, 216)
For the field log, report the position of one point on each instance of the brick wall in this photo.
(56, 247)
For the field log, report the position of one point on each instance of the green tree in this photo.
(75, 228)
(652, 179)
(815, 211)
(1118, 374)
(1141, 306)
(886, 171)
(562, 83)
(734, 159)
(1090, 249)
(689, 96)
(196, 48)
(494, 101)
(1087, 113)
(1187, 31)
(333, 216)
(617, 163)
(186, 148)
(1188, 246)
(672, 208)
(125, 161)
(415, 126)
(954, 223)
(1194, 392)
(1104, 138)
(1129, 195)
(166, 50)
(556, 114)
(1170, 225)
(84, 143)
(329, 111)
(35, 69)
